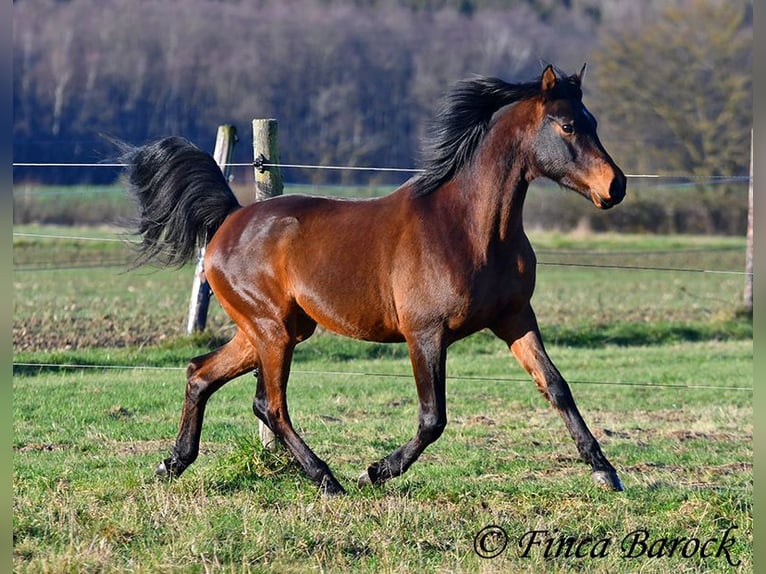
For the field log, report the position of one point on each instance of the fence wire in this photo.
(90, 265)
(35, 266)
(695, 179)
(55, 366)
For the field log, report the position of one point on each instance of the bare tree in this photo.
(350, 82)
(675, 88)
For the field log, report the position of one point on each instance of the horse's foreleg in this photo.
(205, 375)
(523, 337)
(428, 364)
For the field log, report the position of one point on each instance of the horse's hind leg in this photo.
(270, 405)
(205, 375)
(523, 337)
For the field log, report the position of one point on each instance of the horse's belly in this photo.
(351, 314)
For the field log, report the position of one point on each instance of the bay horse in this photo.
(440, 258)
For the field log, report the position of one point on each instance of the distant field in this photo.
(72, 289)
(650, 207)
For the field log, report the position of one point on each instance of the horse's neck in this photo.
(499, 177)
(496, 207)
(477, 216)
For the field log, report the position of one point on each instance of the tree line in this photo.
(354, 82)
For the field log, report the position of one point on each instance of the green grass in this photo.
(657, 361)
(86, 441)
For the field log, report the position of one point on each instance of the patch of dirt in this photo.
(688, 476)
(120, 413)
(141, 447)
(480, 420)
(681, 435)
(41, 447)
(687, 435)
(68, 333)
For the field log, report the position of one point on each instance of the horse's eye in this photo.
(567, 128)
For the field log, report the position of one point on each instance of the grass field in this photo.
(658, 360)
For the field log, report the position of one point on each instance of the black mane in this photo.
(460, 124)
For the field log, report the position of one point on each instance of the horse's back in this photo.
(331, 258)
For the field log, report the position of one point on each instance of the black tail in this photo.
(182, 196)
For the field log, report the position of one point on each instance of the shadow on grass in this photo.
(644, 334)
(329, 347)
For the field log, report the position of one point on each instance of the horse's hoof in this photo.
(161, 471)
(371, 476)
(364, 480)
(169, 469)
(332, 492)
(607, 479)
(331, 487)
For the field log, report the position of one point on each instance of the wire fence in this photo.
(64, 366)
(693, 177)
(708, 179)
(59, 265)
(549, 254)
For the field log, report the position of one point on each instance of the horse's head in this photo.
(567, 149)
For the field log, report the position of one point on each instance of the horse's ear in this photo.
(581, 74)
(548, 80)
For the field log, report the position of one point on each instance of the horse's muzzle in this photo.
(616, 191)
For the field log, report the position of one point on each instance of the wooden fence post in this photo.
(200, 293)
(748, 296)
(268, 183)
(268, 180)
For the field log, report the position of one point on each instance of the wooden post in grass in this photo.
(748, 298)
(268, 177)
(268, 183)
(200, 294)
